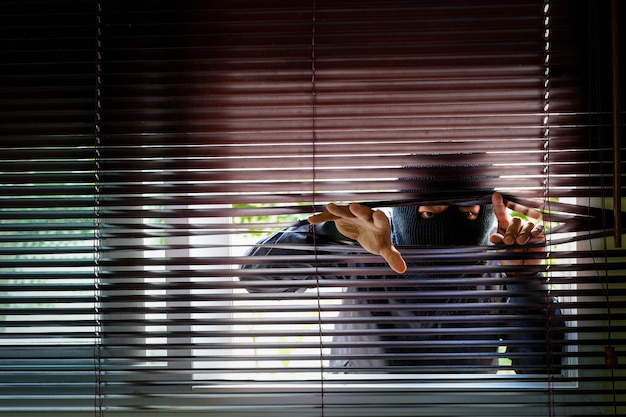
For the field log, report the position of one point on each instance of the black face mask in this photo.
(448, 228)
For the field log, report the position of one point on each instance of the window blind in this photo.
(148, 145)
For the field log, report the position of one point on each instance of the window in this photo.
(47, 200)
(142, 133)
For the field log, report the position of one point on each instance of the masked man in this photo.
(433, 319)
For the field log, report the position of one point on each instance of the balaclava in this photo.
(444, 176)
(448, 228)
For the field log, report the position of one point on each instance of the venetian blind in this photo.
(148, 145)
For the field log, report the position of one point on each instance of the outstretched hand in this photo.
(371, 228)
(514, 231)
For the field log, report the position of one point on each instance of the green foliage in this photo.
(256, 223)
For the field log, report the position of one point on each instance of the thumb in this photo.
(394, 259)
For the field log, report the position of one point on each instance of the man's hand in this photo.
(513, 231)
(371, 228)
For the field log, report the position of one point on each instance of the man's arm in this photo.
(293, 241)
(537, 348)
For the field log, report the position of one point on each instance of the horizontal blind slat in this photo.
(207, 129)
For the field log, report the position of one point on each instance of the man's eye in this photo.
(470, 215)
(427, 214)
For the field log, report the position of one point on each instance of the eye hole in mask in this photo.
(450, 227)
(470, 212)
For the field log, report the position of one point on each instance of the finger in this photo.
(512, 231)
(339, 211)
(537, 239)
(360, 211)
(538, 230)
(322, 217)
(525, 210)
(332, 213)
(525, 233)
(394, 260)
(499, 209)
(380, 220)
(497, 239)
